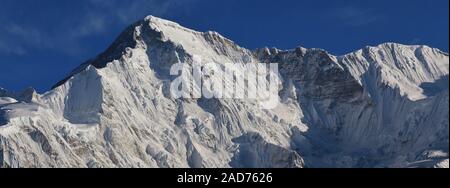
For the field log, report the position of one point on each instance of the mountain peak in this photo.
(117, 106)
(389, 46)
(405, 67)
(157, 21)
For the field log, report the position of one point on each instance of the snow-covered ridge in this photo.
(383, 106)
(399, 66)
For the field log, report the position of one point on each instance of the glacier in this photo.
(381, 106)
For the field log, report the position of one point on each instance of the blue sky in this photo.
(41, 41)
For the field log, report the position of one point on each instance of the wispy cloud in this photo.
(355, 16)
(16, 39)
(99, 14)
(13, 50)
(29, 34)
(91, 24)
(95, 17)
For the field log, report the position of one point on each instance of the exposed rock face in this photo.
(369, 108)
(384, 106)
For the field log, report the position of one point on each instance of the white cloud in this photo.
(11, 50)
(103, 13)
(95, 17)
(354, 16)
(31, 35)
(92, 24)
(16, 39)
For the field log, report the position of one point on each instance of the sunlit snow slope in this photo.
(383, 106)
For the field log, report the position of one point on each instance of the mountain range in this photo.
(381, 106)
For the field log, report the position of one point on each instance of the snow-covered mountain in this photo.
(383, 106)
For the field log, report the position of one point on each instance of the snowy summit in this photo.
(382, 106)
